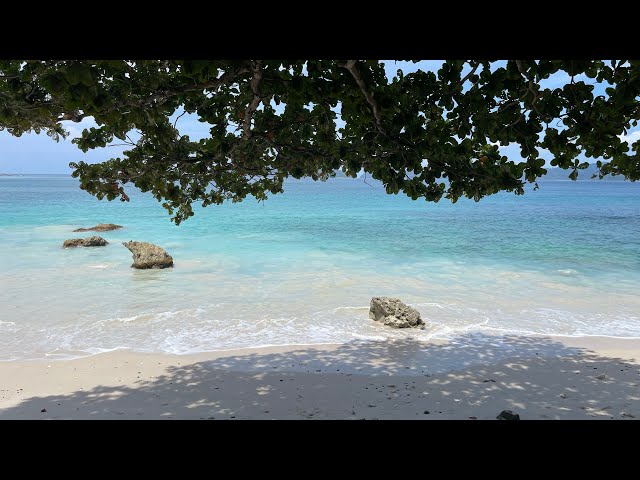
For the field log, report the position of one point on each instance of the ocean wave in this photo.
(168, 314)
(335, 310)
(567, 272)
(233, 325)
(427, 304)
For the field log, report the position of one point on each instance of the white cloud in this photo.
(75, 129)
(630, 137)
(73, 132)
(561, 78)
(504, 147)
(392, 66)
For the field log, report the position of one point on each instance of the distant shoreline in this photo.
(541, 180)
(553, 175)
(35, 174)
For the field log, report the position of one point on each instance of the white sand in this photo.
(476, 376)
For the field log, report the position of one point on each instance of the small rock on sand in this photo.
(508, 415)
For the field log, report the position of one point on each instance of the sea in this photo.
(301, 267)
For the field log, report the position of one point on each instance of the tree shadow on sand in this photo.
(474, 375)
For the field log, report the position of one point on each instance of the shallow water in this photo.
(302, 267)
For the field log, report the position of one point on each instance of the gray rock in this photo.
(102, 227)
(508, 415)
(392, 312)
(148, 255)
(85, 242)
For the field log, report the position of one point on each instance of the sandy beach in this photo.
(473, 377)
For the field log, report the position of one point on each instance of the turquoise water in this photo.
(302, 267)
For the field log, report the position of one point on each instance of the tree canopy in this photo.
(428, 135)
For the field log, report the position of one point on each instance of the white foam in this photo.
(98, 351)
(567, 272)
(127, 319)
(335, 310)
(144, 320)
(428, 304)
(377, 338)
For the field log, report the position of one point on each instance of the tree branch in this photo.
(74, 117)
(351, 67)
(248, 113)
(467, 76)
(178, 118)
(530, 87)
(161, 97)
(215, 84)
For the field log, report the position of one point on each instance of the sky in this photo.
(32, 153)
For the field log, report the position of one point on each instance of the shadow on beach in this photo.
(473, 376)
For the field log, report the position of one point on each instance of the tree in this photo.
(427, 135)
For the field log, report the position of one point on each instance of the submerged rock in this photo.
(508, 415)
(85, 242)
(392, 312)
(102, 227)
(148, 255)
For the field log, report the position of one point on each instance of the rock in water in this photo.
(103, 227)
(85, 242)
(508, 415)
(148, 255)
(394, 313)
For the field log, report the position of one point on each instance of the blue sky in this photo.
(33, 153)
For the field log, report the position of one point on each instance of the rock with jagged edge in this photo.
(102, 227)
(85, 242)
(394, 313)
(147, 255)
